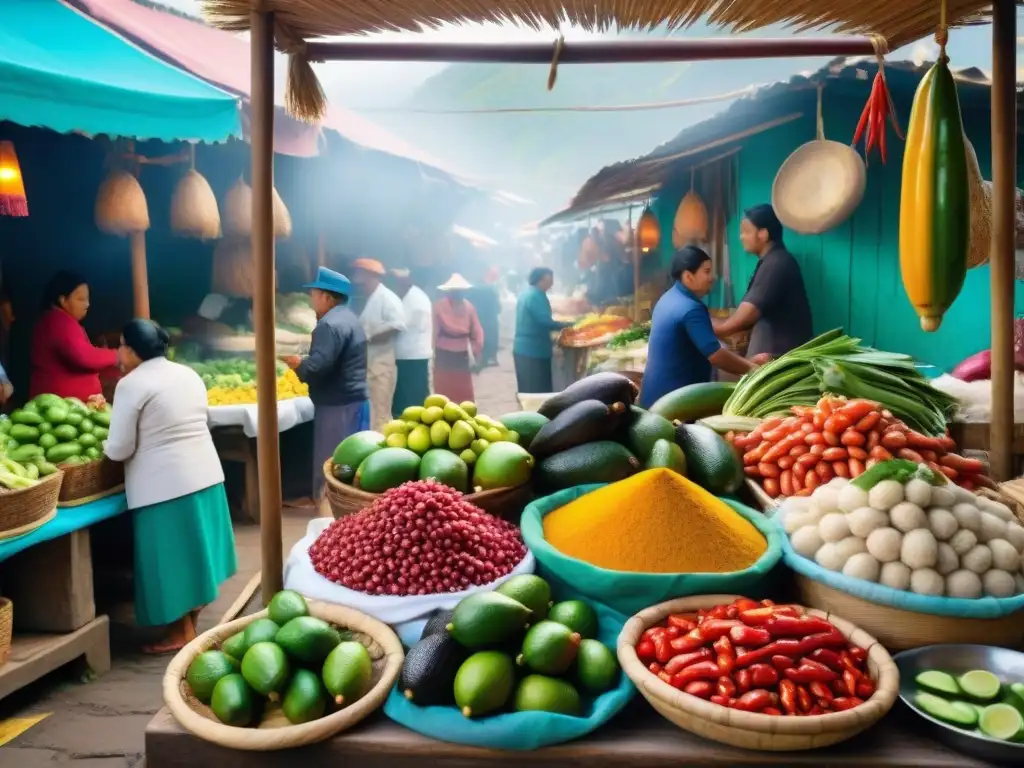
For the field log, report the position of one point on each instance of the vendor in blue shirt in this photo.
(683, 346)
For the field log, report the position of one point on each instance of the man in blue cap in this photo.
(335, 369)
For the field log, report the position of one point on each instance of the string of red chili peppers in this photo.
(877, 112)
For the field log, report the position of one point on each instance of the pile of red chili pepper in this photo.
(877, 112)
(759, 657)
(843, 438)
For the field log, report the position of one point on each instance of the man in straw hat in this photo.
(335, 369)
(414, 346)
(457, 331)
(383, 319)
(775, 307)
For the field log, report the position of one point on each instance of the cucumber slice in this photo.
(1001, 721)
(980, 684)
(1013, 695)
(939, 682)
(956, 713)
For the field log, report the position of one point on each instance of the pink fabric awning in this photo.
(222, 58)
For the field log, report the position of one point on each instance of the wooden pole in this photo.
(140, 275)
(594, 51)
(268, 455)
(636, 269)
(1004, 182)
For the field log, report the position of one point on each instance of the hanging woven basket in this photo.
(232, 268)
(121, 207)
(691, 222)
(194, 210)
(238, 212)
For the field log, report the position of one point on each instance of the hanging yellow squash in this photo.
(935, 211)
(691, 222)
(648, 231)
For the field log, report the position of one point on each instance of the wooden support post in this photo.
(140, 275)
(636, 268)
(268, 455)
(1004, 182)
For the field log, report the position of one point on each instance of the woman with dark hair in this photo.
(457, 332)
(184, 545)
(683, 346)
(64, 362)
(531, 348)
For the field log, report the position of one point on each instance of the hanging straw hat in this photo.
(820, 185)
(455, 283)
(369, 265)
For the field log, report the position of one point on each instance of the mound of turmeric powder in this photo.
(655, 522)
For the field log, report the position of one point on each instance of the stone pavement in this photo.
(101, 724)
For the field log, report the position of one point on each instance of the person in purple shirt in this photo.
(683, 347)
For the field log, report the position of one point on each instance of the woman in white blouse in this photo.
(184, 545)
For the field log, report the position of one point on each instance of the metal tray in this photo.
(1007, 665)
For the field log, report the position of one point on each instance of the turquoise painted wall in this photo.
(852, 272)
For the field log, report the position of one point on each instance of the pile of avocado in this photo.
(449, 442)
(291, 657)
(592, 432)
(510, 650)
(50, 430)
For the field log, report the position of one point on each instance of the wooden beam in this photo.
(268, 454)
(1002, 268)
(594, 51)
(140, 275)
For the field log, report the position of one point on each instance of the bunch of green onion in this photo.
(838, 364)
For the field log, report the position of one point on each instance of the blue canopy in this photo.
(61, 70)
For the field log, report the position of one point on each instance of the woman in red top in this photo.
(64, 361)
(457, 332)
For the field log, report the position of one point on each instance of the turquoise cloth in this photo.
(68, 519)
(184, 551)
(630, 593)
(63, 71)
(534, 324)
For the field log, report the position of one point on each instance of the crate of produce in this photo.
(296, 673)
(90, 481)
(22, 511)
(766, 702)
(912, 559)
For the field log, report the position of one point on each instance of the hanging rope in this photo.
(553, 73)
(942, 33)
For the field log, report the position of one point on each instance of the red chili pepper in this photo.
(865, 688)
(751, 637)
(803, 699)
(767, 603)
(712, 629)
(793, 648)
(651, 632)
(839, 688)
(654, 668)
(672, 632)
(820, 691)
(788, 626)
(754, 701)
(782, 662)
(702, 670)
(743, 680)
(771, 711)
(828, 657)
(682, 622)
(809, 672)
(787, 695)
(683, 660)
(758, 617)
(691, 641)
(746, 604)
(701, 615)
(719, 611)
(725, 654)
(848, 663)
(722, 701)
(858, 654)
(732, 612)
(882, 145)
(665, 676)
(763, 676)
(817, 709)
(662, 650)
(850, 680)
(861, 124)
(645, 651)
(726, 687)
(846, 702)
(702, 689)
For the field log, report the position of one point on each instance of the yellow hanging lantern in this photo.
(12, 186)
(648, 231)
(691, 222)
(121, 207)
(238, 212)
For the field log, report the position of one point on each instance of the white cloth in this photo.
(290, 413)
(158, 429)
(381, 379)
(213, 306)
(416, 342)
(383, 312)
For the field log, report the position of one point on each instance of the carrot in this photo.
(786, 462)
(858, 409)
(799, 450)
(769, 424)
(808, 460)
(874, 438)
(894, 441)
(852, 437)
(830, 437)
(807, 427)
(786, 483)
(985, 481)
(868, 423)
(923, 442)
(835, 454)
(838, 422)
(768, 469)
(817, 450)
(949, 472)
(879, 453)
(910, 455)
(777, 434)
(771, 487)
(824, 471)
(929, 456)
(857, 453)
(962, 464)
(841, 468)
(824, 406)
(752, 471)
(811, 481)
(754, 456)
(947, 443)
(856, 467)
(814, 438)
(798, 475)
(782, 447)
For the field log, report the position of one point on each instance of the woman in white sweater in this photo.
(184, 545)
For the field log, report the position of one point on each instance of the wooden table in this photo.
(637, 738)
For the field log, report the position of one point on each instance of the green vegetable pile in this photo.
(641, 332)
(229, 372)
(52, 430)
(837, 363)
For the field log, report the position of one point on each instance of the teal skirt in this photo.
(184, 551)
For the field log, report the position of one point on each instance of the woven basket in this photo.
(91, 481)
(274, 731)
(507, 503)
(899, 630)
(22, 511)
(753, 730)
(6, 628)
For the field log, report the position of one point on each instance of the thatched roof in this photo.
(898, 21)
